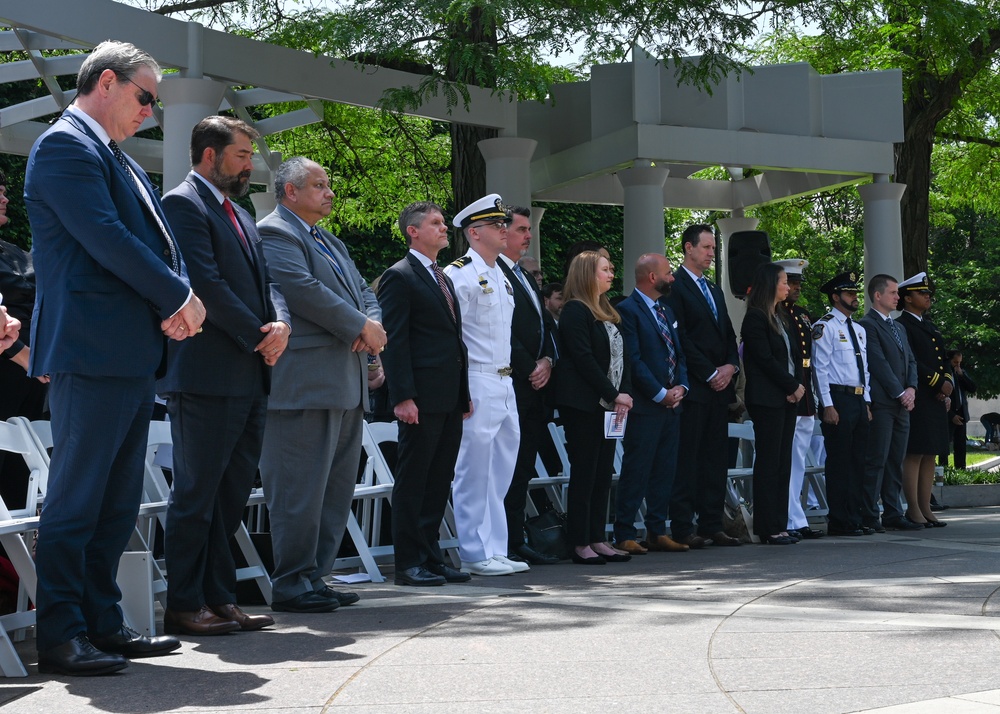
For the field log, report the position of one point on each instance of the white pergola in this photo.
(627, 136)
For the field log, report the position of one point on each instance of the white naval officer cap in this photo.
(916, 283)
(485, 209)
(794, 267)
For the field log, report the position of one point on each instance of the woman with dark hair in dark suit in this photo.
(591, 378)
(773, 388)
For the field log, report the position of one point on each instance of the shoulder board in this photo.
(828, 316)
(461, 262)
(818, 330)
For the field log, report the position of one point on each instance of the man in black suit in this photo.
(532, 354)
(893, 376)
(111, 284)
(652, 433)
(426, 368)
(709, 344)
(216, 386)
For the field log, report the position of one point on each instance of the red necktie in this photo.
(236, 224)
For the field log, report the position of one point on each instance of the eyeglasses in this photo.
(145, 97)
(499, 225)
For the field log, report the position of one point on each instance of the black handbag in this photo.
(547, 534)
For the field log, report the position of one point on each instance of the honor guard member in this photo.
(840, 366)
(806, 416)
(929, 433)
(491, 435)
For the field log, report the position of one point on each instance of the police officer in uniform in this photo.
(491, 436)
(840, 365)
(929, 433)
(805, 419)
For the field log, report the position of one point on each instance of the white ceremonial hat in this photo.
(917, 282)
(793, 266)
(486, 208)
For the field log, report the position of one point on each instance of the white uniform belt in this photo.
(502, 370)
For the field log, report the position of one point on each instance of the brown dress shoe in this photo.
(199, 622)
(694, 542)
(246, 622)
(721, 538)
(631, 547)
(666, 544)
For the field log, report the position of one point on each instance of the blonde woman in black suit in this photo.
(774, 388)
(592, 377)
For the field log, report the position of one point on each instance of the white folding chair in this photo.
(814, 485)
(15, 532)
(740, 478)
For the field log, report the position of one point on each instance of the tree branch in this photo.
(992, 143)
(189, 5)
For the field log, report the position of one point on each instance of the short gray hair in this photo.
(414, 215)
(294, 171)
(122, 58)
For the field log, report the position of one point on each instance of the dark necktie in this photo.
(857, 352)
(439, 276)
(703, 283)
(175, 263)
(519, 272)
(314, 232)
(661, 322)
(228, 205)
(895, 333)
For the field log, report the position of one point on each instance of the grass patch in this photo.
(965, 477)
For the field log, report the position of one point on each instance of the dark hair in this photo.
(764, 291)
(878, 284)
(692, 235)
(575, 250)
(549, 288)
(521, 211)
(122, 58)
(216, 133)
(414, 215)
(3, 177)
(951, 353)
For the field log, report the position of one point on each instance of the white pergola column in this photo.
(535, 249)
(643, 203)
(508, 168)
(727, 226)
(263, 203)
(883, 228)
(186, 102)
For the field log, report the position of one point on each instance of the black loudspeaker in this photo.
(747, 251)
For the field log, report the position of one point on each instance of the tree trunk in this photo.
(913, 168)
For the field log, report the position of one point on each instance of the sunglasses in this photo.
(145, 98)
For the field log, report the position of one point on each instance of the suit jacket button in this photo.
(166, 253)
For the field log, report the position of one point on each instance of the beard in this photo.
(662, 287)
(231, 185)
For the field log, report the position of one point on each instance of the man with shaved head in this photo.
(659, 375)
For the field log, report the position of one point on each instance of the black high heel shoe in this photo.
(580, 560)
(778, 540)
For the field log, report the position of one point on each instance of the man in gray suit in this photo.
(312, 441)
(893, 374)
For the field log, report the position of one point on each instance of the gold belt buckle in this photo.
(505, 371)
(805, 362)
(859, 391)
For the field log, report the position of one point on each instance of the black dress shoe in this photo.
(777, 540)
(902, 524)
(79, 658)
(342, 598)
(616, 557)
(130, 643)
(306, 602)
(938, 524)
(875, 526)
(535, 557)
(419, 575)
(596, 560)
(448, 573)
(846, 531)
(808, 533)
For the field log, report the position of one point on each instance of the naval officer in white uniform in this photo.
(491, 435)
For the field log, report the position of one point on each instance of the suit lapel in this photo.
(688, 283)
(425, 277)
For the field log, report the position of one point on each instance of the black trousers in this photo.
(774, 429)
(846, 444)
(591, 460)
(700, 483)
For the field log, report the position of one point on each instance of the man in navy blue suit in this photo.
(110, 286)
(216, 386)
(659, 379)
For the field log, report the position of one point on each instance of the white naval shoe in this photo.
(517, 566)
(490, 566)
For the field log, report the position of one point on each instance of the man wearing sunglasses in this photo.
(111, 286)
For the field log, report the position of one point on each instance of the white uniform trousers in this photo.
(800, 448)
(485, 467)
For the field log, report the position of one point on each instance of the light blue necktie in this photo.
(708, 296)
(326, 251)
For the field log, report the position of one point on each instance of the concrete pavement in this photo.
(895, 623)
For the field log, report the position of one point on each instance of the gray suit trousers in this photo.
(309, 467)
(887, 439)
